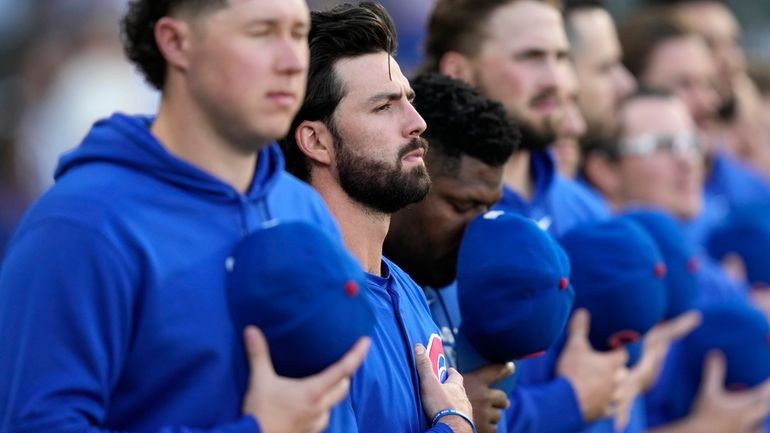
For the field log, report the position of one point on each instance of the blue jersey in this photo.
(385, 391)
(729, 184)
(558, 203)
(113, 308)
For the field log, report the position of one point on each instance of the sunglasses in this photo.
(685, 143)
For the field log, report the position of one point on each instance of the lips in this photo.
(415, 154)
(282, 98)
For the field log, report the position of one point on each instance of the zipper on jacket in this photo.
(394, 298)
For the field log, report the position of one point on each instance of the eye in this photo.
(460, 207)
(384, 107)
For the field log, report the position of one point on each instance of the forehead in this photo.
(645, 115)
(473, 179)
(527, 24)
(687, 54)
(370, 74)
(596, 35)
(266, 10)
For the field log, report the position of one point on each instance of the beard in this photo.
(534, 140)
(383, 187)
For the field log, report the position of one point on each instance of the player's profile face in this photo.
(522, 61)
(429, 232)
(378, 149)
(665, 177)
(604, 80)
(247, 67)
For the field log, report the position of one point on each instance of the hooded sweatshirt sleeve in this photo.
(67, 300)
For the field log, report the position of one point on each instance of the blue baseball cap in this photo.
(678, 254)
(746, 232)
(617, 271)
(513, 288)
(736, 329)
(301, 289)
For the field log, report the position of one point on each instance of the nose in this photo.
(705, 100)
(414, 124)
(292, 56)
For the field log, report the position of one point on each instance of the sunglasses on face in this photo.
(685, 143)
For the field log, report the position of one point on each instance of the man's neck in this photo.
(363, 230)
(517, 174)
(186, 133)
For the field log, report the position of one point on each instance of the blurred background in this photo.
(62, 68)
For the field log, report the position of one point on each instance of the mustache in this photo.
(549, 93)
(414, 144)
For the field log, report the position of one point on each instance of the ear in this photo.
(457, 66)
(602, 173)
(316, 141)
(172, 37)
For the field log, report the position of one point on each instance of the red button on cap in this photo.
(563, 283)
(351, 288)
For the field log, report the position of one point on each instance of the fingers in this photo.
(329, 379)
(714, 368)
(682, 325)
(580, 324)
(498, 399)
(492, 373)
(424, 369)
(453, 376)
(618, 358)
(257, 351)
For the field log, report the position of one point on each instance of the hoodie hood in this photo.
(127, 141)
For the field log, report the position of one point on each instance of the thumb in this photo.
(714, 368)
(579, 325)
(257, 352)
(492, 373)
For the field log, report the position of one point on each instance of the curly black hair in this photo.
(343, 32)
(463, 122)
(138, 32)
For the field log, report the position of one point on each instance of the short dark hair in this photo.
(343, 32)
(138, 32)
(643, 32)
(461, 122)
(459, 25)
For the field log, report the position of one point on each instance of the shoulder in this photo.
(292, 198)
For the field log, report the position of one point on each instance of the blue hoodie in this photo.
(558, 203)
(729, 184)
(113, 310)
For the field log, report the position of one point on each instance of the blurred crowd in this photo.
(62, 67)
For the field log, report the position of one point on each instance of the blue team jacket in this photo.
(558, 203)
(385, 391)
(113, 312)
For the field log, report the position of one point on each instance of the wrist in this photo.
(456, 420)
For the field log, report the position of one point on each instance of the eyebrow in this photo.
(391, 96)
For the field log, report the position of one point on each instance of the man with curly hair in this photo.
(113, 305)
